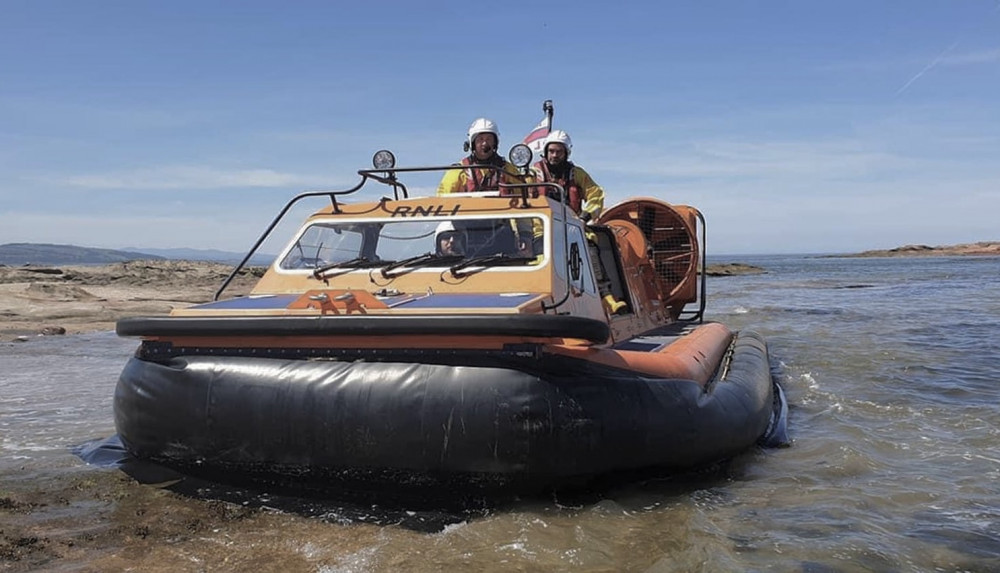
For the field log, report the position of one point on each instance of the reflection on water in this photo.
(893, 392)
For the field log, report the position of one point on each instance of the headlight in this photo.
(384, 159)
(520, 155)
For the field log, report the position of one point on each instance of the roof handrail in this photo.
(333, 199)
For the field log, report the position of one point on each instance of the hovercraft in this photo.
(542, 350)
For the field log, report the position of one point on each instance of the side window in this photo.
(559, 253)
(581, 270)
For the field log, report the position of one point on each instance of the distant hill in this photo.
(48, 254)
(259, 259)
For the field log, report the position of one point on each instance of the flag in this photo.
(536, 138)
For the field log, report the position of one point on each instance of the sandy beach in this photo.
(37, 301)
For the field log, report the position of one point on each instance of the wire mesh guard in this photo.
(671, 241)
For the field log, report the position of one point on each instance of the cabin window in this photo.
(391, 240)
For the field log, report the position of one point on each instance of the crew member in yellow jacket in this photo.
(483, 140)
(585, 197)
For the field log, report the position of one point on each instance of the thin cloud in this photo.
(192, 177)
(53, 110)
(972, 58)
(944, 58)
(933, 63)
(730, 159)
(988, 56)
(221, 230)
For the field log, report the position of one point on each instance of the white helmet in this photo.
(559, 136)
(482, 125)
(444, 229)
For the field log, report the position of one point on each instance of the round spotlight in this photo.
(520, 155)
(384, 159)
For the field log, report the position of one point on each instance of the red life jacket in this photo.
(573, 190)
(490, 182)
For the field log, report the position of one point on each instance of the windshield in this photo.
(333, 242)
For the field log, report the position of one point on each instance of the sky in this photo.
(794, 126)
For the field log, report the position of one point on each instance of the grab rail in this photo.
(699, 316)
(333, 199)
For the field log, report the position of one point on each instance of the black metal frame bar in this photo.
(699, 316)
(274, 223)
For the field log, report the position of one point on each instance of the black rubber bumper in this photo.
(534, 325)
(552, 420)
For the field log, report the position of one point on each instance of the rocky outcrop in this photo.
(982, 248)
(732, 269)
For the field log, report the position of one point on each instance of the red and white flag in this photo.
(536, 138)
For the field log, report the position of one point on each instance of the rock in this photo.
(42, 270)
(53, 330)
(911, 249)
(57, 292)
(732, 269)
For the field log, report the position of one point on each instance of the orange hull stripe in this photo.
(694, 356)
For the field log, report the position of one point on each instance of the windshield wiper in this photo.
(356, 263)
(424, 260)
(497, 260)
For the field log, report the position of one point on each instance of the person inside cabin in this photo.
(482, 142)
(448, 240)
(585, 197)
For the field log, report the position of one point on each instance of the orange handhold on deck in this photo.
(334, 301)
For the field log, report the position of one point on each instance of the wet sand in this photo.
(77, 518)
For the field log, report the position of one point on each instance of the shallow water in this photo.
(891, 373)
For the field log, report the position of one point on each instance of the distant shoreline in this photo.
(37, 299)
(983, 248)
(70, 299)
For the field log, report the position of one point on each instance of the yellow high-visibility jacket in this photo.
(590, 199)
(470, 180)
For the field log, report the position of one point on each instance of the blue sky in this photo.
(794, 126)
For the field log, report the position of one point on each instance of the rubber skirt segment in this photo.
(562, 419)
